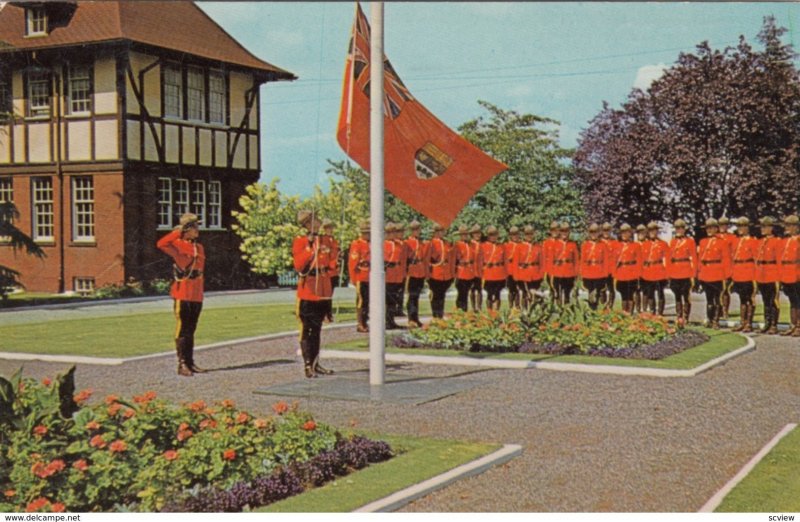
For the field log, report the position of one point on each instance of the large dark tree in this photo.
(717, 134)
(18, 241)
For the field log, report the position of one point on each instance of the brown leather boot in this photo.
(678, 312)
(308, 362)
(796, 332)
(190, 358)
(318, 368)
(742, 319)
(773, 323)
(747, 318)
(792, 323)
(183, 368)
(687, 310)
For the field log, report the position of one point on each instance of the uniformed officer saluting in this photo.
(314, 264)
(187, 288)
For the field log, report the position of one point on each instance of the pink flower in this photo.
(118, 446)
(83, 395)
(80, 465)
(310, 425)
(40, 430)
(280, 407)
(97, 442)
(171, 454)
(229, 454)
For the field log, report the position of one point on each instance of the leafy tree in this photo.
(18, 240)
(717, 134)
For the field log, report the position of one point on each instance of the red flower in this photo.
(9, 493)
(183, 426)
(57, 507)
(40, 430)
(83, 395)
(97, 442)
(197, 406)
(145, 397)
(310, 425)
(57, 465)
(118, 446)
(260, 423)
(111, 399)
(46, 381)
(227, 403)
(208, 423)
(184, 434)
(114, 409)
(40, 469)
(242, 418)
(280, 407)
(36, 505)
(170, 454)
(92, 425)
(229, 454)
(128, 413)
(80, 465)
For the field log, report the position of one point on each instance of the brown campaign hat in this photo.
(640, 228)
(389, 227)
(463, 229)
(653, 225)
(767, 221)
(711, 222)
(528, 229)
(437, 227)
(491, 230)
(607, 226)
(594, 227)
(679, 223)
(742, 222)
(625, 227)
(791, 220)
(188, 220)
(513, 230)
(327, 223)
(724, 220)
(414, 225)
(474, 229)
(304, 216)
(364, 226)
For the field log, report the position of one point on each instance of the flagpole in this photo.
(377, 273)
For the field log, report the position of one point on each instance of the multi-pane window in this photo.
(35, 21)
(164, 203)
(195, 94)
(181, 195)
(80, 89)
(173, 91)
(199, 200)
(43, 220)
(216, 97)
(83, 208)
(83, 285)
(38, 93)
(6, 100)
(6, 196)
(214, 204)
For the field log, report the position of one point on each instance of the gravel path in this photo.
(591, 442)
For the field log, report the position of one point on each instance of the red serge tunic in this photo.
(441, 260)
(511, 247)
(394, 261)
(494, 262)
(628, 266)
(529, 262)
(548, 248)
(565, 259)
(190, 258)
(654, 255)
(314, 268)
(790, 260)
(767, 258)
(744, 259)
(682, 259)
(466, 261)
(594, 260)
(416, 250)
(714, 258)
(358, 262)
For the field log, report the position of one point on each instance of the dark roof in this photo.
(176, 25)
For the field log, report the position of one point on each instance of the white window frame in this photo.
(83, 285)
(164, 203)
(180, 197)
(42, 210)
(195, 94)
(35, 21)
(6, 196)
(173, 91)
(214, 205)
(79, 84)
(217, 91)
(38, 83)
(199, 200)
(83, 218)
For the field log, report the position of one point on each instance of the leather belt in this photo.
(465, 263)
(624, 263)
(390, 264)
(490, 265)
(563, 262)
(681, 260)
(650, 263)
(363, 264)
(711, 262)
(591, 262)
(194, 274)
(317, 271)
(526, 265)
(740, 261)
(759, 262)
(790, 262)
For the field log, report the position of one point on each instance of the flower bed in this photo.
(59, 454)
(549, 329)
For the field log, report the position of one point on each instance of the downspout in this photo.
(60, 175)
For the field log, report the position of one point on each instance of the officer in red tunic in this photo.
(358, 268)
(494, 268)
(609, 295)
(187, 288)
(476, 290)
(768, 275)
(394, 263)
(628, 267)
(565, 262)
(313, 262)
(655, 252)
(441, 269)
(790, 272)
(330, 241)
(416, 271)
(511, 282)
(730, 238)
(681, 270)
(743, 274)
(594, 266)
(465, 268)
(641, 237)
(400, 289)
(548, 248)
(713, 256)
(529, 264)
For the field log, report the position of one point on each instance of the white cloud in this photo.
(647, 74)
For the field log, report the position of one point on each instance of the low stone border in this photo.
(400, 498)
(545, 365)
(714, 502)
(112, 361)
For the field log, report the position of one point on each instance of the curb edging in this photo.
(400, 498)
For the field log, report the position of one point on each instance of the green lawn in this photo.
(720, 343)
(773, 486)
(419, 460)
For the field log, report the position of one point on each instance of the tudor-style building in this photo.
(115, 119)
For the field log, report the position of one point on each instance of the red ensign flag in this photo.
(427, 165)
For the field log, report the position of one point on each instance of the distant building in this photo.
(120, 117)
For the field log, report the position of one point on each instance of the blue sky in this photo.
(559, 60)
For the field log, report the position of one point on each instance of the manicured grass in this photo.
(418, 459)
(773, 486)
(759, 314)
(719, 344)
(140, 334)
